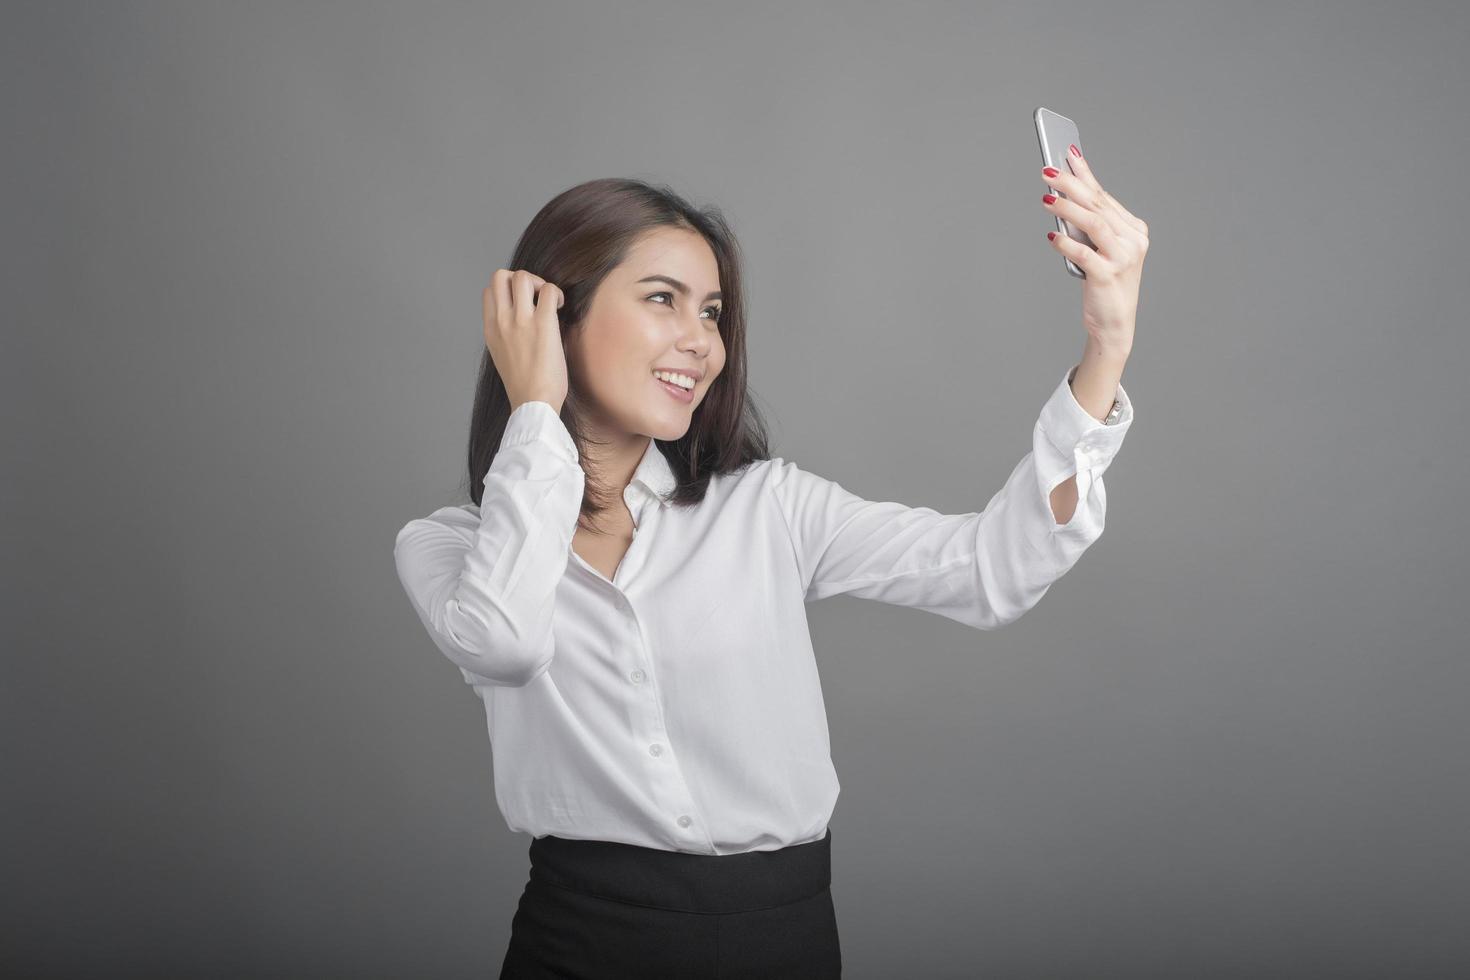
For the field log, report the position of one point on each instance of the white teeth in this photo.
(682, 380)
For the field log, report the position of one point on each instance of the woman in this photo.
(627, 591)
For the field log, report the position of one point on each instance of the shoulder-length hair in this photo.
(574, 241)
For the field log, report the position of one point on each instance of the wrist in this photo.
(1109, 354)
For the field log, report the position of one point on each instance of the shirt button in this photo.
(684, 821)
(637, 676)
(655, 749)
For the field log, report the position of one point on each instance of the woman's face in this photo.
(633, 327)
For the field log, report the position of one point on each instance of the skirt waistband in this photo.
(682, 881)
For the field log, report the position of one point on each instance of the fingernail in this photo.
(1050, 171)
(1050, 235)
(1049, 198)
(1075, 152)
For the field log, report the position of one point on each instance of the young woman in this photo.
(627, 591)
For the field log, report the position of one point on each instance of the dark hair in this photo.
(574, 241)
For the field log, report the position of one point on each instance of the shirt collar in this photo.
(654, 473)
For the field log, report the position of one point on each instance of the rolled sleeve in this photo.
(1074, 442)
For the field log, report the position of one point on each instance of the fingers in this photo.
(1086, 196)
(1083, 171)
(1088, 206)
(1120, 239)
(547, 303)
(1085, 258)
(523, 290)
(1081, 168)
(1104, 233)
(514, 294)
(501, 297)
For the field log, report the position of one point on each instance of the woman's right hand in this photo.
(523, 335)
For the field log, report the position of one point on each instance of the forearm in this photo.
(1096, 383)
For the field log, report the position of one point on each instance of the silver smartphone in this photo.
(1054, 131)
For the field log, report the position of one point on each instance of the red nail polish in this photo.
(1050, 235)
(1075, 152)
(1049, 198)
(1050, 171)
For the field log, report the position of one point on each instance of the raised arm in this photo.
(486, 591)
(984, 569)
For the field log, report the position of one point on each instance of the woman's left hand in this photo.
(1115, 267)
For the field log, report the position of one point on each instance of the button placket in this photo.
(670, 784)
(637, 675)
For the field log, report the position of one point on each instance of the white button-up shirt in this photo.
(678, 706)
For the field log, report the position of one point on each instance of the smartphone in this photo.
(1054, 131)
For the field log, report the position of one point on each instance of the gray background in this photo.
(244, 252)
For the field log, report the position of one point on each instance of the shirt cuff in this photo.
(1069, 427)
(537, 421)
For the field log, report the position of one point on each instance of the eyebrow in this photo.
(683, 289)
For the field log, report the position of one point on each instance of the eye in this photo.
(718, 309)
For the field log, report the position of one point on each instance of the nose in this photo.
(699, 329)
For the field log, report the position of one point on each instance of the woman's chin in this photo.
(666, 431)
(669, 423)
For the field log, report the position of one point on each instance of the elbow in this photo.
(505, 645)
(982, 616)
(989, 619)
(521, 673)
(1008, 619)
(494, 652)
(1005, 609)
(999, 597)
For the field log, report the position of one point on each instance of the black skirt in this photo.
(595, 909)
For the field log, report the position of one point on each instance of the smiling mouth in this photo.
(682, 394)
